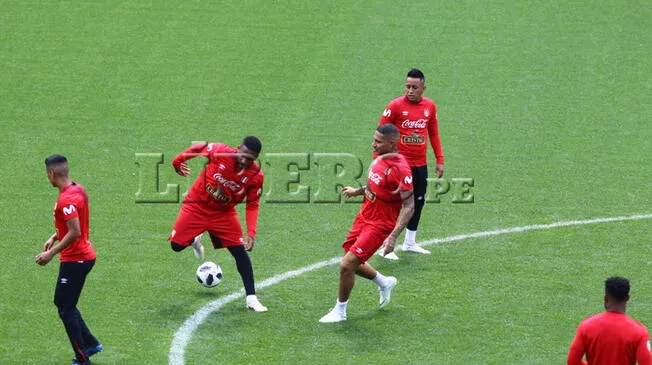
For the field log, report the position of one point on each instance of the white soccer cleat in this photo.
(389, 256)
(386, 291)
(333, 316)
(413, 247)
(254, 304)
(198, 248)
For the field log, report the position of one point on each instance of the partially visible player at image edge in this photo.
(611, 337)
(76, 256)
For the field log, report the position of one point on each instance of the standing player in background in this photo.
(230, 176)
(76, 254)
(612, 337)
(415, 117)
(386, 210)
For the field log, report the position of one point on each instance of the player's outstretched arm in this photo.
(195, 150)
(407, 210)
(349, 192)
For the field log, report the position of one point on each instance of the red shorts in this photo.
(192, 222)
(365, 238)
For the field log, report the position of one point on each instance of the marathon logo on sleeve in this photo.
(413, 138)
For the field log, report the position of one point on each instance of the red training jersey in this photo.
(222, 172)
(416, 122)
(387, 177)
(610, 338)
(73, 203)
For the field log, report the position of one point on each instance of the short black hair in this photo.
(415, 73)
(252, 143)
(617, 287)
(388, 130)
(55, 160)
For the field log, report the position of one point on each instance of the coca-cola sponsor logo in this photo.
(415, 124)
(234, 186)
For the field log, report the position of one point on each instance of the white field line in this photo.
(184, 333)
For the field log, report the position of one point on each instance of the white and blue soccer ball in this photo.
(209, 274)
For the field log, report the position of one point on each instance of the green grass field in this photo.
(545, 105)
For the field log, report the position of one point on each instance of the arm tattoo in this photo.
(406, 213)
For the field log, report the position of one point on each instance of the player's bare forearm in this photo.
(67, 240)
(350, 192)
(406, 213)
(52, 250)
(74, 232)
(403, 218)
(49, 242)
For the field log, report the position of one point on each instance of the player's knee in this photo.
(63, 313)
(239, 253)
(347, 267)
(176, 247)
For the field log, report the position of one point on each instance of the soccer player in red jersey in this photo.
(230, 177)
(612, 337)
(76, 256)
(386, 210)
(415, 116)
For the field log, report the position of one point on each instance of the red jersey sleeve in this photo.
(405, 176)
(208, 150)
(253, 204)
(400, 175)
(192, 152)
(433, 134)
(68, 209)
(577, 350)
(389, 114)
(643, 355)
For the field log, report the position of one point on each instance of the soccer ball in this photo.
(209, 274)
